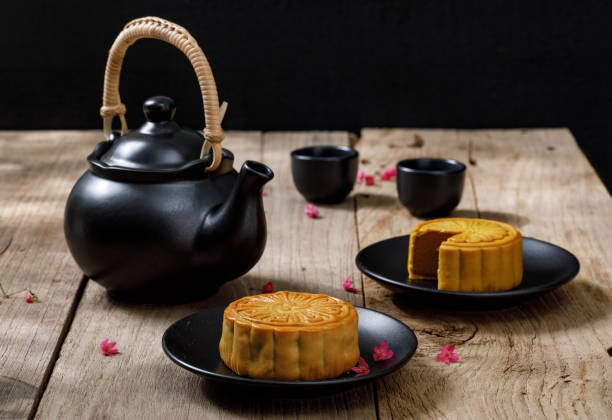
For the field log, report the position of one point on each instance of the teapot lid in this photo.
(159, 144)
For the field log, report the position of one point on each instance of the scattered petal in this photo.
(267, 288)
(369, 180)
(31, 297)
(362, 367)
(387, 174)
(382, 352)
(311, 211)
(108, 347)
(360, 176)
(447, 354)
(348, 284)
(264, 193)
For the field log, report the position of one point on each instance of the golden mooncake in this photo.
(466, 255)
(289, 336)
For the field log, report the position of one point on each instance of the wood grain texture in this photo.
(37, 169)
(546, 358)
(141, 382)
(543, 359)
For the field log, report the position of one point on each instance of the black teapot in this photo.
(161, 215)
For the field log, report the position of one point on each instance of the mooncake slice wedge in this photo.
(466, 255)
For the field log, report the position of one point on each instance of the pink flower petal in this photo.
(382, 351)
(108, 347)
(311, 211)
(348, 284)
(268, 287)
(30, 296)
(387, 174)
(446, 355)
(360, 176)
(369, 180)
(362, 367)
(264, 193)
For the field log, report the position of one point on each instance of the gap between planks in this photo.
(354, 141)
(183, 394)
(519, 177)
(58, 346)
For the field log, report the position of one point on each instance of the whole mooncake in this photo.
(289, 336)
(466, 255)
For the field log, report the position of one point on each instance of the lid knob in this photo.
(159, 108)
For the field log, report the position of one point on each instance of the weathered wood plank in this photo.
(37, 169)
(301, 254)
(312, 255)
(544, 358)
(547, 187)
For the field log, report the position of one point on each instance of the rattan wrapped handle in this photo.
(153, 27)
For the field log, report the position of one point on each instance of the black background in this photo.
(340, 65)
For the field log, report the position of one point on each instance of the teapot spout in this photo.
(253, 176)
(233, 236)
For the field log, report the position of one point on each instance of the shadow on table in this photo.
(418, 385)
(572, 306)
(388, 202)
(415, 382)
(265, 402)
(376, 200)
(16, 398)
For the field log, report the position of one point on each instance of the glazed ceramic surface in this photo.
(545, 267)
(430, 187)
(324, 174)
(193, 343)
(147, 221)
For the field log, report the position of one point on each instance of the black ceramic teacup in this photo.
(430, 187)
(324, 174)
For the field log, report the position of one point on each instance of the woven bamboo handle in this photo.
(153, 27)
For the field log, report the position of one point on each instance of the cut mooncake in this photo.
(466, 255)
(289, 336)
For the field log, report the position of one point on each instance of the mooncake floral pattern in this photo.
(291, 309)
(472, 231)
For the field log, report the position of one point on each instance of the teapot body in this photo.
(145, 241)
(155, 219)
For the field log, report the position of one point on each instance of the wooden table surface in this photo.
(550, 357)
